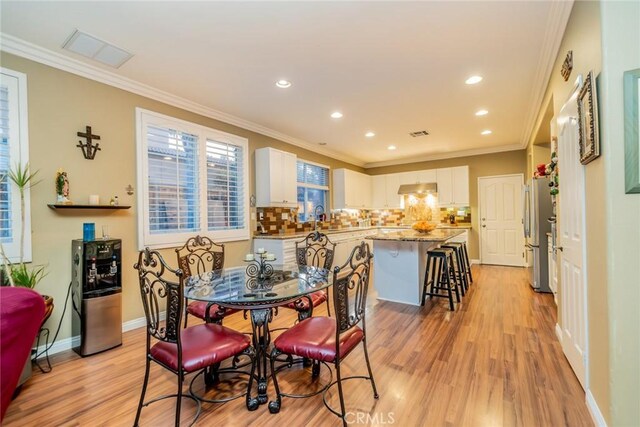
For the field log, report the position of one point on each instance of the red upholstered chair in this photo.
(199, 255)
(330, 340)
(315, 250)
(21, 313)
(181, 351)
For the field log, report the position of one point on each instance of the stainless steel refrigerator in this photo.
(537, 210)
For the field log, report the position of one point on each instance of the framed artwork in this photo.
(631, 126)
(589, 140)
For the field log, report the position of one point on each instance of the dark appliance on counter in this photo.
(96, 274)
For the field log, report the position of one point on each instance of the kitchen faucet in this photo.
(317, 212)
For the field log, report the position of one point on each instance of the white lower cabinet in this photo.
(462, 238)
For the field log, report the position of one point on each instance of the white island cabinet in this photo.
(400, 260)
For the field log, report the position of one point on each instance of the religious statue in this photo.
(62, 187)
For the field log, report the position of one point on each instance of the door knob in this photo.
(483, 226)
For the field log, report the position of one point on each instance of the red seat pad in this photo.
(199, 309)
(317, 298)
(202, 346)
(315, 338)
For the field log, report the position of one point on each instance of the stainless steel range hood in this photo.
(422, 188)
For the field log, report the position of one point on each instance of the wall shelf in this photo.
(87, 207)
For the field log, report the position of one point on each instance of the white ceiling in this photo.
(389, 67)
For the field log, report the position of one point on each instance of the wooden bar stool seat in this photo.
(459, 267)
(437, 276)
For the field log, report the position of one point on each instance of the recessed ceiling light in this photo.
(283, 84)
(482, 113)
(336, 115)
(369, 134)
(486, 132)
(391, 147)
(473, 80)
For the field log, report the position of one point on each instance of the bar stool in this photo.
(459, 267)
(468, 264)
(438, 276)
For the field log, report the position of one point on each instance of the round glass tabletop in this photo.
(235, 288)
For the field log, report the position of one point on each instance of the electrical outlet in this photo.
(260, 216)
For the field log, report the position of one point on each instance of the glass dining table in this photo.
(239, 288)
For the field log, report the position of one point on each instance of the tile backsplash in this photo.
(285, 220)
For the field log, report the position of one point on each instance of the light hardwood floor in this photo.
(495, 361)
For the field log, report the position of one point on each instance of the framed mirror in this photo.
(631, 126)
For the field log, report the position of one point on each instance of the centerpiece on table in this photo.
(424, 227)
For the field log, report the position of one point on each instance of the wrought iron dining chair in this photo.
(181, 351)
(330, 340)
(315, 250)
(199, 255)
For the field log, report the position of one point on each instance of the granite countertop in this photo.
(407, 228)
(437, 235)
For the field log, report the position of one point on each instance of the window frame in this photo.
(21, 152)
(326, 188)
(145, 118)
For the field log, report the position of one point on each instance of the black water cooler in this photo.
(96, 276)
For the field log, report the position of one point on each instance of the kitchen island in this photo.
(400, 260)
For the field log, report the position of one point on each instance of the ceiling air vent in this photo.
(92, 47)
(419, 133)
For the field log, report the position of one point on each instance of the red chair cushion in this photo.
(21, 313)
(202, 346)
(315, 338)
(199, 309)
(317, 298)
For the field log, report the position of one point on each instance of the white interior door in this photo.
(571, 238)
(501, 233)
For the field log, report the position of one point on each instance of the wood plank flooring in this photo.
(495, 361)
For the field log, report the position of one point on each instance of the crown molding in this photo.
(444, 156)
(27, 50)
(557, 20)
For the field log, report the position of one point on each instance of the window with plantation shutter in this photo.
(192, 180)
(313, 189)
(14, 151)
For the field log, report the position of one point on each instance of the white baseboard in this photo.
(474, 261)
(68, 343)
(596, 415)
(137, 323)
(559, 332)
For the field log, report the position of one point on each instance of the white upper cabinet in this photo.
(460, 185)
(417, 177)
(351, 190)
(384, 191)
(445, 186)
(453, 186)
(379, 191)
(392, 197)
(276, 178)
(427, 176)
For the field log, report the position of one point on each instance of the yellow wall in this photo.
(61, 104)
(620, 52)
(583, 36)
(510, 162)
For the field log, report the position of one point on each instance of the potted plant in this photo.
(20, 274)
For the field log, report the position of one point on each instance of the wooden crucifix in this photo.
(89, 149)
